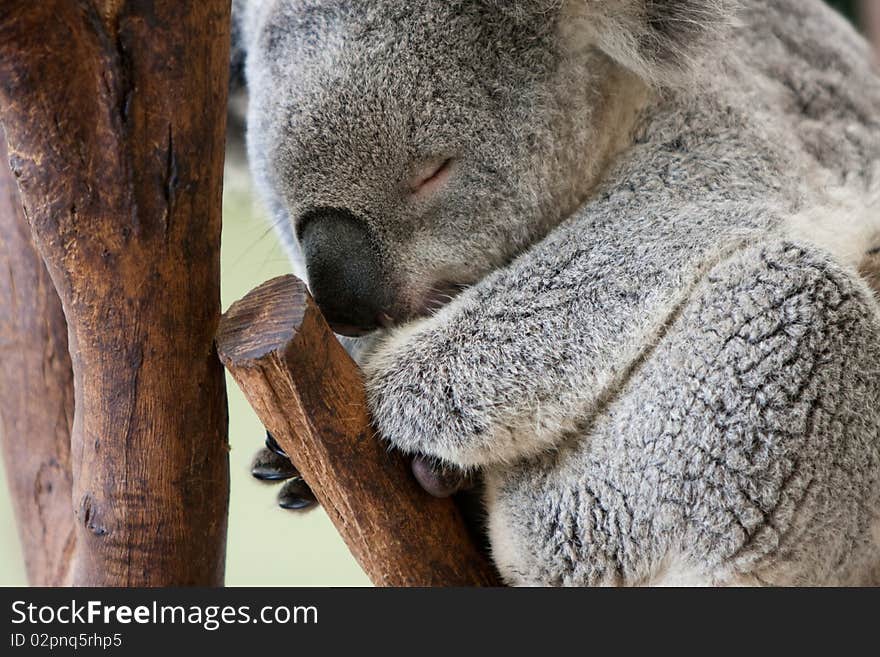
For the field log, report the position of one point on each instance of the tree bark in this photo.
(310, 396)
(115, 115)
(870, 19)
(36, 395)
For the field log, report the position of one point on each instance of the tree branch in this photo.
(310, 396)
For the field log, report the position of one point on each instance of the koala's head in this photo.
(408, 148)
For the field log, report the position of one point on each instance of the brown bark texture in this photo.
(36, 395)
(310, 395)
(114, 112)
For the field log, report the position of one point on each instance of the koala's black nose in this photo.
(345, 272)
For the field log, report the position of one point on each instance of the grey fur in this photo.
(666, 364)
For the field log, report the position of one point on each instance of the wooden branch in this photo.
(115, 115)
(309, 394)
(36, 395)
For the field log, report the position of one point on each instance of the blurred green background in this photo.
(266, 546)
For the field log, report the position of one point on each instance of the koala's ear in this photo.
(661, 40)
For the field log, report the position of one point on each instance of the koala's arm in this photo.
(528, 354)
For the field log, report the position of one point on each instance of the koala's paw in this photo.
(426, 397)
(272, 465)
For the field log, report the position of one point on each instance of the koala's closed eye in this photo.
(430, 176)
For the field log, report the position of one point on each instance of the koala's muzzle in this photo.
(345, 270)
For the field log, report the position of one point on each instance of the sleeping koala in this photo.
(603, 252)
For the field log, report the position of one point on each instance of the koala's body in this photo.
(647, 217)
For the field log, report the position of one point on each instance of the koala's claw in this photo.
(270, 466)
(296, 496)
(273, 446)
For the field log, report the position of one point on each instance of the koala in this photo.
(605, 254)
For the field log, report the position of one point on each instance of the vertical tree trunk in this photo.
(36, 395)
(115, 115)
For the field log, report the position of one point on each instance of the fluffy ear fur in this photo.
(660, 40)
